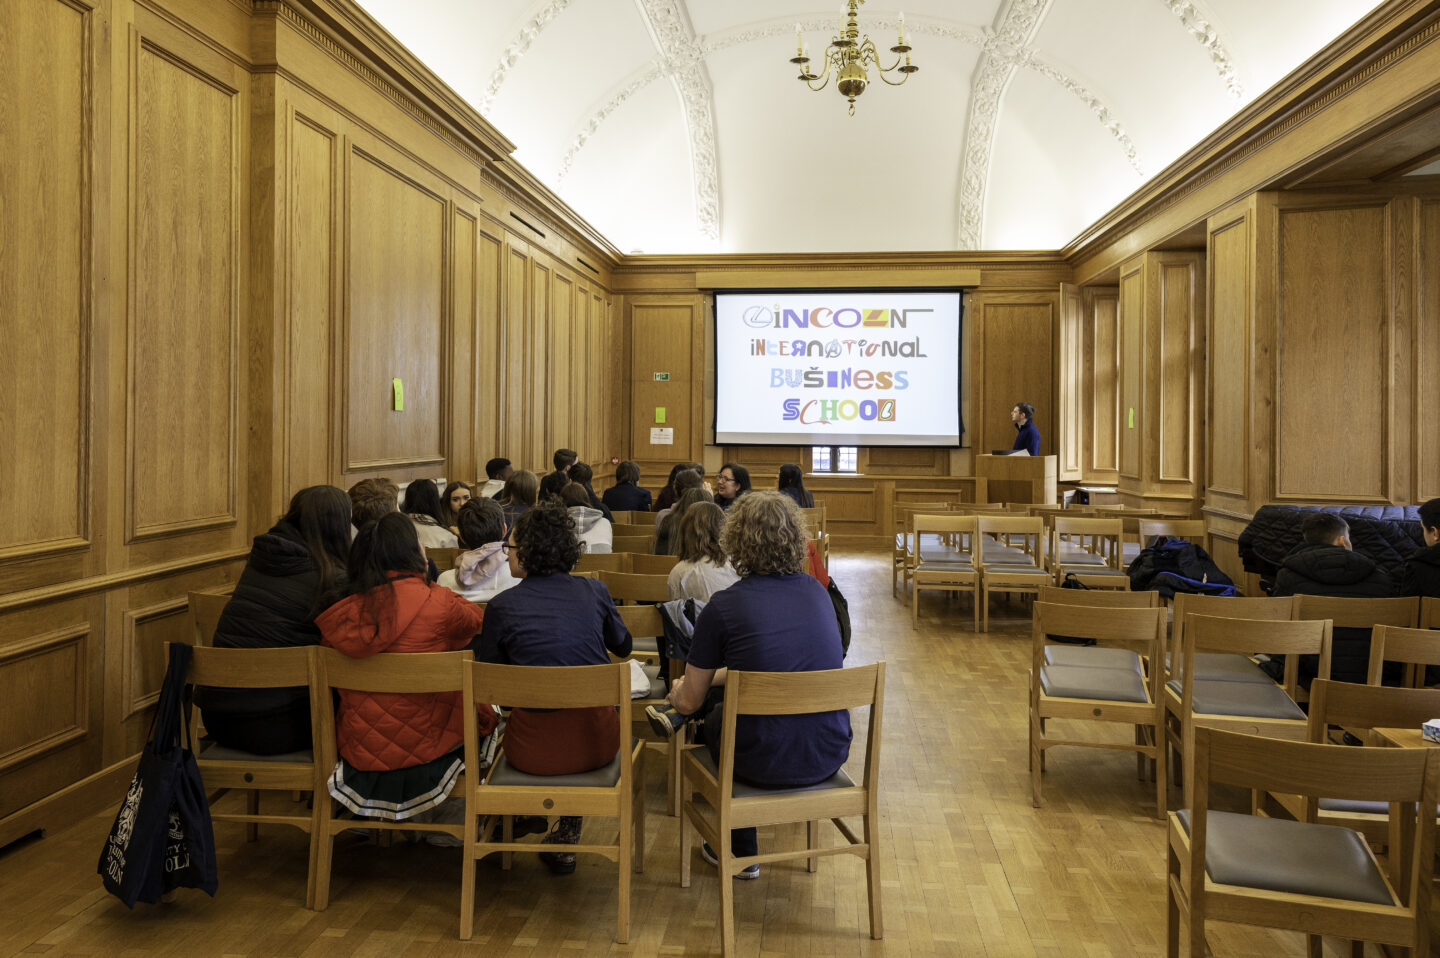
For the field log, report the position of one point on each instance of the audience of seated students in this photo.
(519, 495)
(669, 494)
(563, 459)
(665, 536)
(792, 483)
(481, 572)
(1421, 573)
(626, 495)
(497, 470)
(1324, 564)
(732, 483)
(372, 498)
(400, 752)
(452, 500)
(554, 619)
(550, 486)
(684, 481)
(596, 534)
(582, 473)
(292, 572)
(422, 505)
(774, 619)
(703, 569)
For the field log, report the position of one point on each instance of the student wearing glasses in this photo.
(732, 483)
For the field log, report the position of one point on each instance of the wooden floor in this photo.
(969, 867)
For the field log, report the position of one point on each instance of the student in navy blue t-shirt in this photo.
(776, 618)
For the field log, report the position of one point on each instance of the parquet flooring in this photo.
(969, 867)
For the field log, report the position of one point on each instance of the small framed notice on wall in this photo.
(662, 436)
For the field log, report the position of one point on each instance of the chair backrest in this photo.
(1141, 630)
(904, 510)
(444, 559)
(1367, 706)
(1212, 633)
(1192, 530)
(603, 561)
(1101, 536)
(814, 519)
(633, 528)
(1413, 647)
(631, 587)
(1187, 604)
(1102, 598)
(1031, 528)
(645, 564)
(250, 668)
(643, 543)
(1430, 612)
(1348, 612)
(205, 609)
(553, 687)
(392, 671)
(947, 524)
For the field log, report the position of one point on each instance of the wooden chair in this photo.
(1088, 549)
(1430, 612)
(647, 634)
(1415, 648)
(822, 545)
(630, 587)
(645, 544)
(945, 561)
(1191, 530)
(1347, 612)
(223, 769)
(1099, 598)
(1109, 685)
(645, 564)
(205, 609)
(1247, 701)
(616, 790)
(903, 553)
(1005, 567)
(642, 528)
(1187, 604)
(390, 672)
(714, 803)
(602, 562)
(814, 519)
(1299, 876)
(1130, 541)
(444, 559)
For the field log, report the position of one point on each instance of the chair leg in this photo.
(1314, 946)
(677, 742)
(685, 827)
(467, 881)
(622, 863)
(1172, 905)
(1037, 760)
(507, 835)
(915, 608)
(812, 841)
(252, 807)
(1161, 796)
(324, 852)
(727, 894)
(872, 877)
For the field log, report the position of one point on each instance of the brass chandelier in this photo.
(848, 55)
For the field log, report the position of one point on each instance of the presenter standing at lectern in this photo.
(1027, 436)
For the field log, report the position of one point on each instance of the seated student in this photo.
(596, 535)
(792, 483)
(563, 459)
(553, 618)
(496, 472)
(666, 536)
(1421, 572)
(732, 483)
(1324, 564)
(521, 491)
(667, 496)
(372, 498)
(480, 572)
(685, 480)
(550, 485)
(422, 505)
(703, 569)
(626, 495)
(739, 628)
(292, 573)
(582, 473)
(452, 500)
(400, 752)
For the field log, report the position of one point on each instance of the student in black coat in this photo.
(292, 573)
(626, 495)
(1324, 564)
(1421, 572)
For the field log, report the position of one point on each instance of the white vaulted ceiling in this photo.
(677, 126)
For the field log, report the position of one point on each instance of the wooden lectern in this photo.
(1019, 478)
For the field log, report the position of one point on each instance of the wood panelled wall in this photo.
(242, 222)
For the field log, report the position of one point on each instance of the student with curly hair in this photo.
(553, 618)
(775, 619)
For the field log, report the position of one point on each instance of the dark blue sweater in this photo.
(1028, 438)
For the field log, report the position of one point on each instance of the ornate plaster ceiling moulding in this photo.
(517, 48)
(683, 61)
(1198, 25)
(1016, 25)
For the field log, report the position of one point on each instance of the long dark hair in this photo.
(423, 499)
(320, 516)
(792, 478)
(452, 515)
(382, 548)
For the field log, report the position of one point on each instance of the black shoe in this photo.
(523, 825)
(565, 831)
(748, 873)
(665, 722)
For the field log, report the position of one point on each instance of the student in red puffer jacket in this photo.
(400, 752)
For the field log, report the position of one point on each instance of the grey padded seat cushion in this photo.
(604, 777)
(1355, 805)
(1077, 556)
(1250, 699)
(741, 790)
(657, 684)
(1087, 569)
(1081, 682)
(1225, 667)
(1092, 657)
(646, 643)
(999, 553)
(1296, 857)
(220, 753)
(1014, 569)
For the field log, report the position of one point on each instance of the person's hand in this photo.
(675, 689)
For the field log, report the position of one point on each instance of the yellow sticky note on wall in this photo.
(397, 394)
(659, 414)
(1132, 417)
